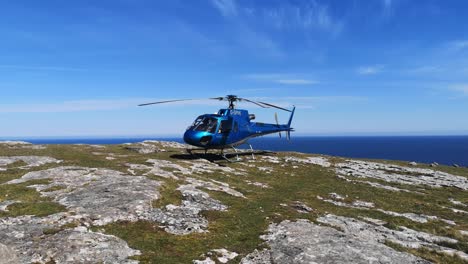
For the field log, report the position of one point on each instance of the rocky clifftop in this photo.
(151, 202)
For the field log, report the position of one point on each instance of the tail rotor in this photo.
(277, 123)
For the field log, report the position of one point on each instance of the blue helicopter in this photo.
(230, 127)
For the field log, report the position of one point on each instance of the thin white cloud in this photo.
(287, 79)
(40, 68)
(369, 70)
(256, 27)
(312, 102)
(227, 8)
(303, 15)
(458, 45)
(295, 81)
(425, 69)
(460, 88)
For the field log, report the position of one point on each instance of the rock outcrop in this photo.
(31, 161)
(304, 242)
(400, 174)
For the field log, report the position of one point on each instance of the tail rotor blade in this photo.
(277, 123)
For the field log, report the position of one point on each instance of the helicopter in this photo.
(230, 127)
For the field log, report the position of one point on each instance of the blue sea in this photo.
(447, 150)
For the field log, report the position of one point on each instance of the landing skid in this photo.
(236, 152)
(223, 154)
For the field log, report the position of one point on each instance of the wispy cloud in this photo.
(227, 8)
(296, 81)
(314, 102)
(387, 5)
(41, 68)
(289, 79)
(309, 15)
(369, 70)
(458, 45)
(460, 88)
(261, 27)
(425, 70)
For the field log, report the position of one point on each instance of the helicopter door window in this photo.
(225, 126)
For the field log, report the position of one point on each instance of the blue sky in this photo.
(79, 68)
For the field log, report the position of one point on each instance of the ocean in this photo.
(446, 150)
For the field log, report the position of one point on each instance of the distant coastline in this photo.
(447, 150)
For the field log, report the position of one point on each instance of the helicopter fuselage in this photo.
(229, 128)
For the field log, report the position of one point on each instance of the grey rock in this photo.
(104, 195)
(21, 145)
(456, 165)
(306, 242)
(143, 148)
(214, 186)
(185, 218)
(4, 205)
(208, 260)
(224, 255)
(320, 161)
(336, 196)
(376, 185)
(355, 204)
(161, 168)
(258, 257)
(80, 246)
(13, 143)
(420, 218)
(31, 161)
(301, 207)
(455, 202)
(7, 255)
(258, 184)
(167, 144)
(400, 174)
(412, 163)
(406, 237)
(27, 234)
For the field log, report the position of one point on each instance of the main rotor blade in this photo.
(250, 101)
(275, 106)
(218, 98)
(168, 101)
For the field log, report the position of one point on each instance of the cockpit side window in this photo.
(207, 124)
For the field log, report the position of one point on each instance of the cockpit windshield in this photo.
(205, 123)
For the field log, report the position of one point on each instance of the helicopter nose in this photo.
(197, 138)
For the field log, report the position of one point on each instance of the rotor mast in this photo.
(232, 99)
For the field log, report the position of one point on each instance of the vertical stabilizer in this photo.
(291, 117)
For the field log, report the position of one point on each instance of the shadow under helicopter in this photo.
(226, 157)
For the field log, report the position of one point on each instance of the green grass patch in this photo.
(33, 208)
(168, 194)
